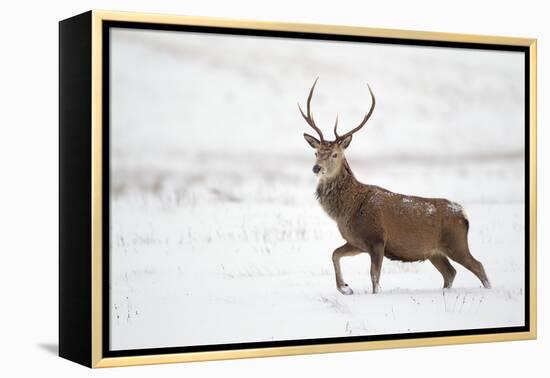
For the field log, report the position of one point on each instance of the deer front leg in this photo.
(345, 250)
(376, 258)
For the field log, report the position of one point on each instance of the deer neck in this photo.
(334, 193)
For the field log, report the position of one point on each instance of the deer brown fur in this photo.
(381, 223)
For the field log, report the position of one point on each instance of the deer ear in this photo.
(313, 142)
(346, 141)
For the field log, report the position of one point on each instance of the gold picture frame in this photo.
(82, 254)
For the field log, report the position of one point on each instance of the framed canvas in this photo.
(236, 189)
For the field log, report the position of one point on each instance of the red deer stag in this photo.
(381, 223)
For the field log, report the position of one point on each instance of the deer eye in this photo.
(316, 154)
(335, 155)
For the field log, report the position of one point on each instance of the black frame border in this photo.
(107, 25)
(75, 182)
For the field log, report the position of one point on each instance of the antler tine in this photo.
(309, 117)
(365, 119)
(335, 127)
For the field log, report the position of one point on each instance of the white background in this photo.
(28, 148)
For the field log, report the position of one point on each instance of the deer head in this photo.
(330, 154)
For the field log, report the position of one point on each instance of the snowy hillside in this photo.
(216, 236)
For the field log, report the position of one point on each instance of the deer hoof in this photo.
(346, 290)
(486, 284)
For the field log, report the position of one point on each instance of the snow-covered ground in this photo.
(215, 233)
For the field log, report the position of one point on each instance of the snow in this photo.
(216, 236)
(455, 207)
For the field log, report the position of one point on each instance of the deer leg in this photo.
(343, 251)
(444, 267)
(376, 258)
(465, 259)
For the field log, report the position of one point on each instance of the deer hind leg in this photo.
(444, 267)
(343, 251)
(376, 258)
(465, 258)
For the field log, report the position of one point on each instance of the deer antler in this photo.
(309, 117)
(365, 119)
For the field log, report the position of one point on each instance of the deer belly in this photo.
(396, 250)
